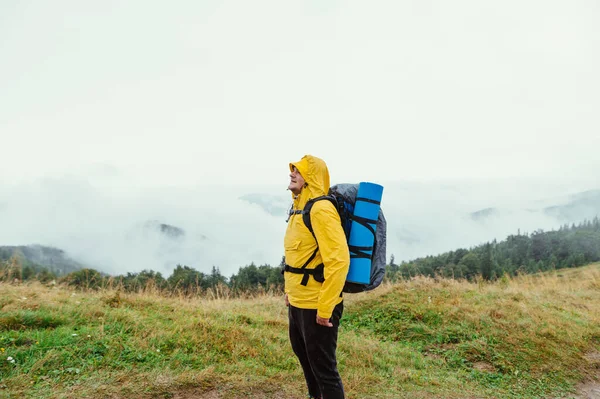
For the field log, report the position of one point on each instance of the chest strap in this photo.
(317, 272)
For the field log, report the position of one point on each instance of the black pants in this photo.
(315, 347)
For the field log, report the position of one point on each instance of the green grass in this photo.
(518, 338)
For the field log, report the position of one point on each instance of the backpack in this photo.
(343, 198)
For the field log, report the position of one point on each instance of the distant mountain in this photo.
(585, 205)
(39, 256)
(571, 209)
(117, 228)
(484, 214)
(167, 230)
(60, 263)
(156, 229)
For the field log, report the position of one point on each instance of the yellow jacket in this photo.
(300, 244)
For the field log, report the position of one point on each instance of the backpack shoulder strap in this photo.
(308, 207)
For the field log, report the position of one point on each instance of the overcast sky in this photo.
(104, 103)
(229, 92)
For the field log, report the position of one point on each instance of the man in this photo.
(314, 292)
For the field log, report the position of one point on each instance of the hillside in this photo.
(531, 336)
(165, 239)
(570, 246)
(120, 229)
(39, 257)
(578, 206)
(567, 209)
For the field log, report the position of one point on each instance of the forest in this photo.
(521, 253)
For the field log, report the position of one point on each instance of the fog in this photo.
(111, 226)
(223, 92)
(119, 117)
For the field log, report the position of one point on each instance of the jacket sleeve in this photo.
(334, 254)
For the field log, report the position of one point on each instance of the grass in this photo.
(524, 337)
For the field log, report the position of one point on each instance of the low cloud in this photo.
(116, 227)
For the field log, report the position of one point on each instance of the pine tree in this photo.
(486, 262)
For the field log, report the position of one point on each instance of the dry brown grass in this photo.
(222, 347)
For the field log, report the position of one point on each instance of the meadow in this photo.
(530, 336)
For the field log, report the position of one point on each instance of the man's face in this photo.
(296, 181)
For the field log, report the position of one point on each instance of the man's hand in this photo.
(287, 302)
(324, 322)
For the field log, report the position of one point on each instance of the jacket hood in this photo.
(315, 174)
